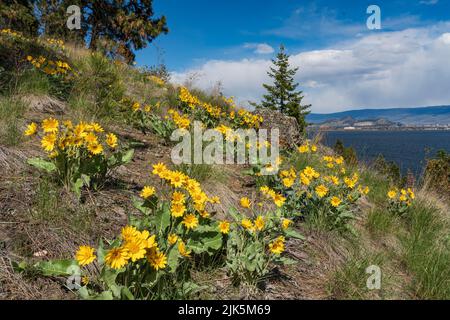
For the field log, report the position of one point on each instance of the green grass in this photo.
(379, 186)
(11, 113)
(350, 280)
(33, 82)
(380, 222)
(427, 252)
(50, 207)
(201, 172)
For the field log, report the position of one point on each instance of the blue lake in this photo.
(409, 149)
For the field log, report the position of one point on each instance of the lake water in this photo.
(408, 149)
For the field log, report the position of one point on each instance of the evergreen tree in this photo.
(283, 94)
(18, 15)
(116, 27)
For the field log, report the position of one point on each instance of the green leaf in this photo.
(234, 213)
(42, 164)
(105, 295)
(162, 218)
(127, 156)
(77, 186)
(173, 259)
(294, 234)
(286, 261)
(139, 204)
(58, 267)
(205, 242)
(126, 293)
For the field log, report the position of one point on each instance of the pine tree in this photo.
(18, 16)
(116, 27)
(283, 94)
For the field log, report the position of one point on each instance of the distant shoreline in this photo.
(384, 129)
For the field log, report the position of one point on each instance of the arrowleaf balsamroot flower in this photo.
(117, 258)
(50, 125)
(111, 140)
(392, 194)
(182, 250)
(178, 197)
(129, 233)
(135, 249)
(277, 246)
(95, 148)
(286, 223)
(224, 226)
(147, 192)
(247, 224)
(321, 191)
(190, 221)
(259, 223)
(157, 259)
(177, 210)
(48, 142)
(335, 201)
(85, 255)
(245, 202)
(172, 239)
(31, 129)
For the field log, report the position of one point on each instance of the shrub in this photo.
(325, 197)
(80, 155)
(152, 257)
(348, 153)
(400, 200)
(100, 80)
(437, 173)
(255, 243)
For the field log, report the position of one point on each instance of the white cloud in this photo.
(260, 48)
(390, 69)
(429, 2)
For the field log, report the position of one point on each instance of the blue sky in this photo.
(207, 36)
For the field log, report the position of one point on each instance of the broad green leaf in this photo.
(234, 213)
(286, 261)
(42, 164)
(127, 156)
(139, 204)
(173, 259)
(58, 267)
(127, 294)
(162, 218)
(76, 187)
(294, 234)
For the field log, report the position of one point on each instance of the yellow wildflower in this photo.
(85, 255)
(116, 258)
(147, 192)
(31, 129)
(224, 226)
(277, 246)
(245, 202)
(190, 221)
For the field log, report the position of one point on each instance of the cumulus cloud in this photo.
(389, 69)
(259, 48)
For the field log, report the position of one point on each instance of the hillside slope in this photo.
(217, 231)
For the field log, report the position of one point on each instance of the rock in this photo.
(44, 104)
(290, 135)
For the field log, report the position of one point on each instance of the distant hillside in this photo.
(406, 116)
